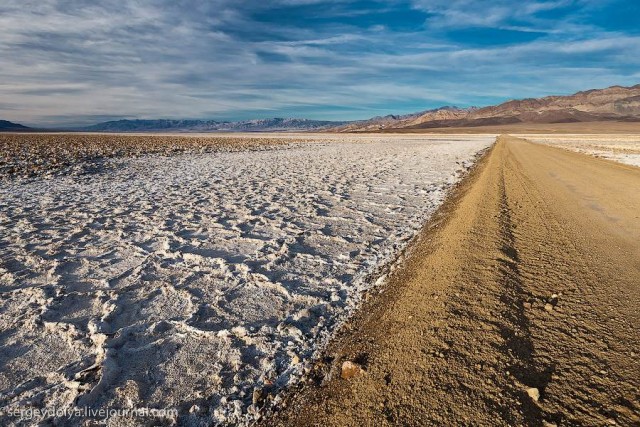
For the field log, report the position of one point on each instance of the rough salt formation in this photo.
(197, 282)
(620, 148)
(36, 154)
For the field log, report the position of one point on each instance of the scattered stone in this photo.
(548, 307)
(239, 331)
(533, 393)
(258, 396)
(387, 378)
(350, 370)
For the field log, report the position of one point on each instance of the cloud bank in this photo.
(74, 62)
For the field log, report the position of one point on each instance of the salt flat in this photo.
(188, 281)
(620, 148)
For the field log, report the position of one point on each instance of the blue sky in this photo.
(73, 62)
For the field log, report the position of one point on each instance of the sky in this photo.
(77, 62)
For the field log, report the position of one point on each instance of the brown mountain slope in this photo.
(394, 121)
(615, 103)
(615, 100)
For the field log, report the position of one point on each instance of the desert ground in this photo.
(321, 279)
(517, 305)
(191, 272)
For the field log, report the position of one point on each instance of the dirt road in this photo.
(518, 305)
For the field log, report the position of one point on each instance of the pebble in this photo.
(533, 393)
(548, 307)
(258, 396)
(350, 370)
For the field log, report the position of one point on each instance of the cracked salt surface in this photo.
(619, 148)
(186, 281)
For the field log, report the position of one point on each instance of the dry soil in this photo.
(518, 305)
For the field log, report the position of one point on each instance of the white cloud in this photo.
(74, 61)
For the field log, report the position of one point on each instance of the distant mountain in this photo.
(395, 122)
(615, 103)
(148, 125)
(10, 126)
(163, 125)
(278, 124)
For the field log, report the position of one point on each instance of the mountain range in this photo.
(260, 125)
(10, 126)
(616, 103)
